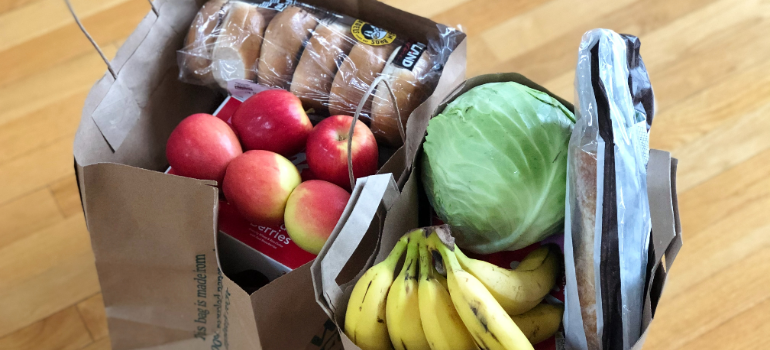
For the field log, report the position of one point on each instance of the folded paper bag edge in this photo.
(378, 190)
(316, 265)
(116, 196)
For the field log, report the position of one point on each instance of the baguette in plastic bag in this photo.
(607, 222)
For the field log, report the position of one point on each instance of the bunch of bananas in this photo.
(477, 305)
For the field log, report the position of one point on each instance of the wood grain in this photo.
(44, 16)
(67, 196)
(101, 344)
(44, 273)
(713, 301)
(63, 330)
(30, 213)
(757, 316)
(93, 315)
(709, 61)
(28, 172)
(73, 76)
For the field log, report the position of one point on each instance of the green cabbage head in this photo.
(495, 165)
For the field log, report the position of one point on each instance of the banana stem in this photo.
(448, 256)
(409, 270)
(397, 252)
(426, 264)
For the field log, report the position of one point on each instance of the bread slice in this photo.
(284, 39)
(196, 61)
(356, 74)
(324, 52)
(586, 189)
(238, 44)
(410, 89)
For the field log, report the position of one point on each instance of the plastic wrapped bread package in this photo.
(327, 59)
(607, 222)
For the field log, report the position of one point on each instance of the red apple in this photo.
(273, 120)
(327, 150)
(258, 184)
(312, 211)
(201, 146)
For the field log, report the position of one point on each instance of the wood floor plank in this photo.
(749, 330)
(94, 317)
(672, 42)
(36, 169)
(425, 8)
(726, 194)
(477, 16)
(558, 56)
(691, 42)
(42, 127)
(713, 106)
(479, 51)
(540, 28)
(744, 45)
(101, 344)
(720, 246)
(45, 273)
(68, 42)
(67, 196)
(28, 214)
(63, 330)
(41, 17)
(723, 148)
(709, 304)
(8, 5)
(57, 82)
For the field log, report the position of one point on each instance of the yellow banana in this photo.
(541, 322)
(485, 319)
(402, 310)
(521, 289)
(365, 317)
(443, 327)
(441, 279)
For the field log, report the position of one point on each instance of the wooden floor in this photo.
(709, 61)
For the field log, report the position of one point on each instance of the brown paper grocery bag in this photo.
(340, 265)
(163, 267)
(159, 273)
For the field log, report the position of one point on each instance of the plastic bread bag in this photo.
(223, 43)
(363, 52)
(328, 60)
(195, 57)
(607, 221)
(413, 71)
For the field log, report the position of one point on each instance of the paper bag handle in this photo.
(666, 229)
(370, 194)
(93, 42)
(372, 86)
(666, 234)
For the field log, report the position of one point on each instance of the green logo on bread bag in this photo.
(371, 35)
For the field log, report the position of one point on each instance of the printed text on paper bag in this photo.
(221, 298)
(203, 312)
